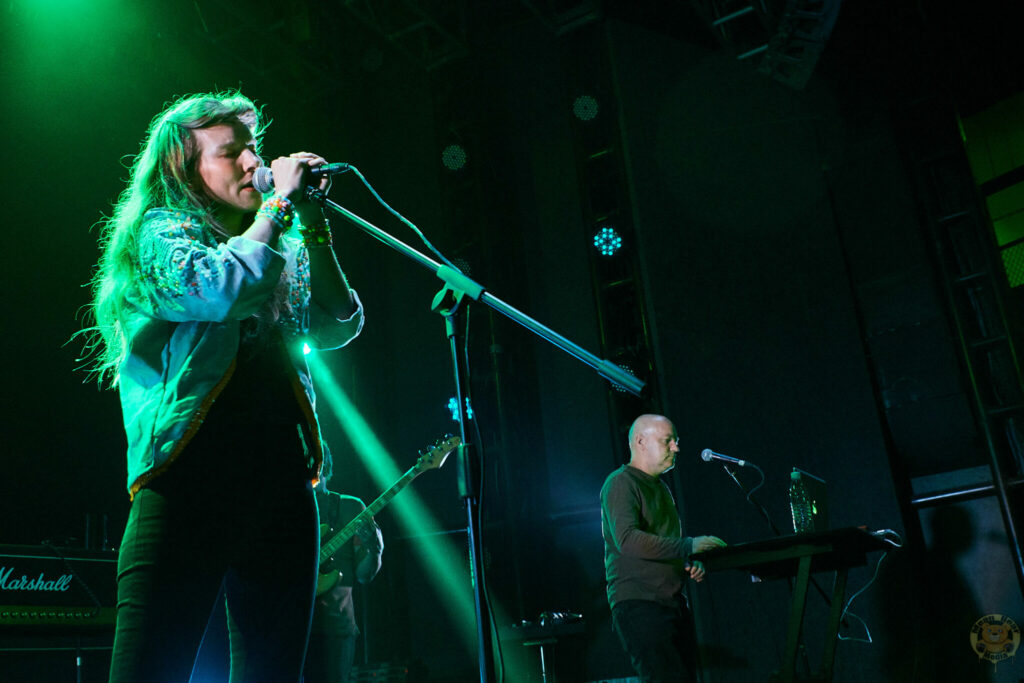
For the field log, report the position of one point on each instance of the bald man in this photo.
(646, 558)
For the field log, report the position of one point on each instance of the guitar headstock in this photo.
(438, 453)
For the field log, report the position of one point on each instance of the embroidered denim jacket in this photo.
(183, 331)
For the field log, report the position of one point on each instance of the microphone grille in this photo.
(263, 179)
(706, 455)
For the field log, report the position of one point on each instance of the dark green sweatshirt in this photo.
(644, 553)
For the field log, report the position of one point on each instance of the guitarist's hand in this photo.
(370, 539)
(369, 548)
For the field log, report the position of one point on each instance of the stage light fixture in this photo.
(607, 241)
(454, 157)
(585, 108)
(618, 387)
(453, 407)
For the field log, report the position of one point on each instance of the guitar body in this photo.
(325, 582)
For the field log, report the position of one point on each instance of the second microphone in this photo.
(707, 455)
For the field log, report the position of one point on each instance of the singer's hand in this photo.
(310, 213)
(313, 161)
(696, 570)
(702, 543)
(289, 174)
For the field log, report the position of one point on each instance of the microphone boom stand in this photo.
(457, 285)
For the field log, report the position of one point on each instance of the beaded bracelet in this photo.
(318, 235)
(278, 210)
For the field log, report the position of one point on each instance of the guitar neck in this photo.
(331, 546)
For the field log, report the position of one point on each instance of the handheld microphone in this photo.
(263, 177)
(707, 455)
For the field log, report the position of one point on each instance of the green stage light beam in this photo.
(442, 559)
(434, 550)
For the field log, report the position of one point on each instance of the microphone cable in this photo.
(403, 219)
(893, 539)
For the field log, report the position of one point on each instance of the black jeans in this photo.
(231, 512)
(659, 640)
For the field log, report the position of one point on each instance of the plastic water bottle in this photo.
(800, 504)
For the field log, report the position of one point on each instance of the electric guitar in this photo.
(331, 542)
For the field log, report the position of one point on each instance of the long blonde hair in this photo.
(163, 174)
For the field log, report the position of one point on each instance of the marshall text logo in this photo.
(40, 583)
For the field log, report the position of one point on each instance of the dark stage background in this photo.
(793, 310)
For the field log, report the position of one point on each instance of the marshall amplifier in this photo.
(48, 586)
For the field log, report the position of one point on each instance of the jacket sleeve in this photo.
(321, 330)
(184, 276)
(622, 506)
(328, 332)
